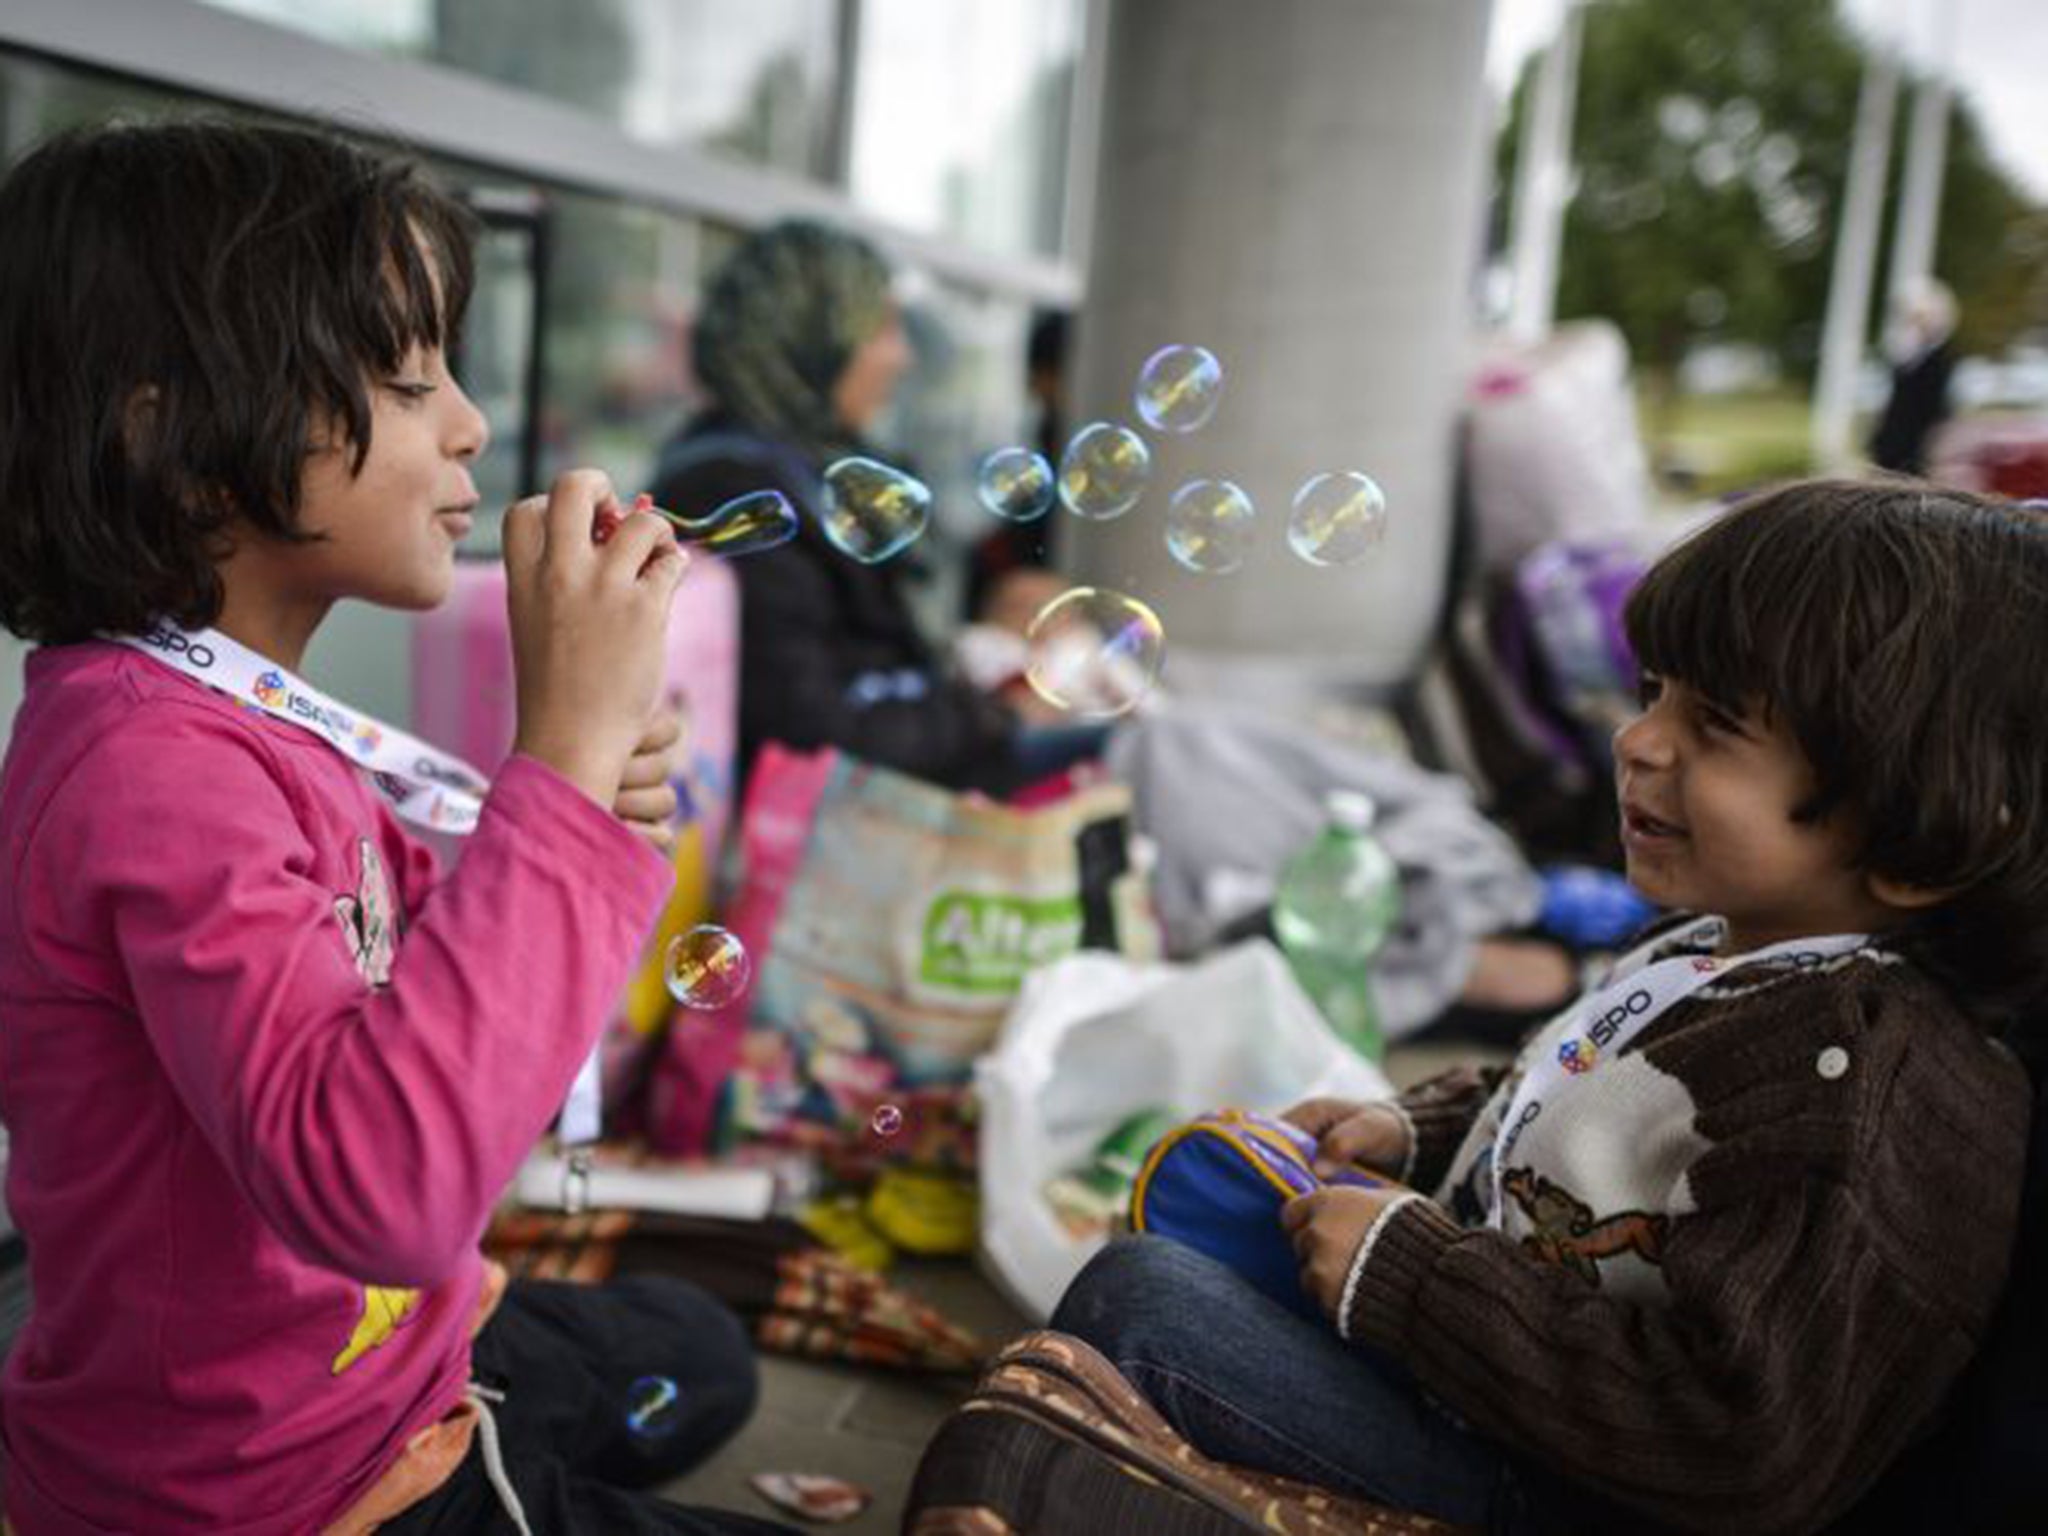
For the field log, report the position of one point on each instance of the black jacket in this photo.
(1917, 405)
(821, 634)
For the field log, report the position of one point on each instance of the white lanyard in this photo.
(425, 785)
(428, 787)
(1604, 1021)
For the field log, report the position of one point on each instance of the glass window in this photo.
(39, 99)
(496, 353)
(401, 27)
(618, 285)
(961, 117)
(606, 291)
(622, 286)
(963, 398)
(754, 79)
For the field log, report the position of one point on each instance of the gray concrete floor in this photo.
(866, 1425)
(870, 1426)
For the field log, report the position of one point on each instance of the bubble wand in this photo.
(746, 525)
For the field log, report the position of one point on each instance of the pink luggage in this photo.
(464, 700)
(692, 1072)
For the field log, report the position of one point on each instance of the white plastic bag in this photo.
(1095, 1039)
(1554, 449)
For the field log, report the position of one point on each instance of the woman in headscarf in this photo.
(801, 346)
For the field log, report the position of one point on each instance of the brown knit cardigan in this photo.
(1844, 1240)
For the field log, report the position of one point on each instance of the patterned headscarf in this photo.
(778, 325)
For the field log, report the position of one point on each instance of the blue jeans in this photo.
(1248, 1382)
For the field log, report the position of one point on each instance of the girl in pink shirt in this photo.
(265, 1073)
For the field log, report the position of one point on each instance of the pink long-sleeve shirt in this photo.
(264, 1078)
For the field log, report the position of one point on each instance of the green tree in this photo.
(1710, 149)
(1992, 246)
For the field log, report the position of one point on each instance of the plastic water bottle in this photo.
(1337, 900)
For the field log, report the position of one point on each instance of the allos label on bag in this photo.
(979, 943)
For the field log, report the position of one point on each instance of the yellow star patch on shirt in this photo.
(384, 1308)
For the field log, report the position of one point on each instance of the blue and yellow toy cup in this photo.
(1217, 1185)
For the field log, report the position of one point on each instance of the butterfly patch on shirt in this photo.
(1564, 1230)
(369, 918)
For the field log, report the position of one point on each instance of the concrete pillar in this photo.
(1299, 187)
(1919, 217)
(1847, 325)
(1543, 173)
(1916, 233)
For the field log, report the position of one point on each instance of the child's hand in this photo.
(589, 621)
(1326, 1228)
(647, 800)
(1372, 1135)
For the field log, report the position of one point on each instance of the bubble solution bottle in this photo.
(1337, 900)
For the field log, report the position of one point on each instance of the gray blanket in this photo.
(1228, 794)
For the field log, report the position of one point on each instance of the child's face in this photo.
(1706, 809)
(391, 529)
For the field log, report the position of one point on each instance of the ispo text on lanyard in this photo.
(1641, 990)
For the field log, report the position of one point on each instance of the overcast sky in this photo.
(1999, 50)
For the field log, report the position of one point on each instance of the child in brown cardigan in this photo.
(1713, 1252)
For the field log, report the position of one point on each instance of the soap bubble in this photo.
(1178, 388)
(743, 526)
(1094, 652)
(873, 511)
(1209, 526)
(1337, 518)
(1103, 471)
(652, 1408)
(1015, 484)
(887, 1121)
(707, 967)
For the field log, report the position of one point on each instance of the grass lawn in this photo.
(1727, 442)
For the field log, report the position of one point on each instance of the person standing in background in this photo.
(1923, 359)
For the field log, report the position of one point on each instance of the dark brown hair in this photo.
(188, 308)
(1899, 631)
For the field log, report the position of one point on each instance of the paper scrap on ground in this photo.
(812, 1495)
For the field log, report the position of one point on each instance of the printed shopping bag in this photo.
(891, 924)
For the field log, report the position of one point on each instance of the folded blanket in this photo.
(797, 1297)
